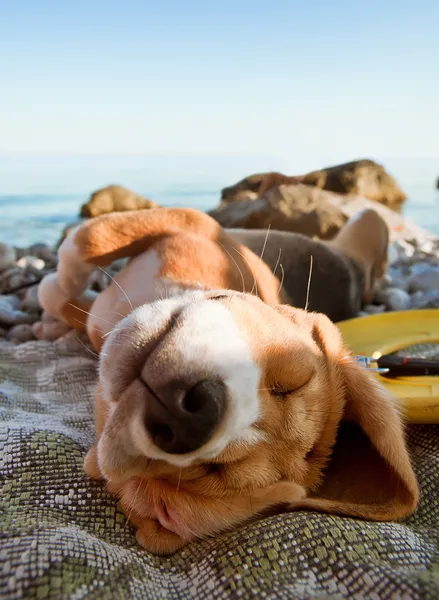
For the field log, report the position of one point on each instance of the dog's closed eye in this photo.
(281, 393)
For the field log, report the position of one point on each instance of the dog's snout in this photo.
(181, 421)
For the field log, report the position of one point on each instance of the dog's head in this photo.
(219, 394)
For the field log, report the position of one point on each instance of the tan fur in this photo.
(331, 437)
(369, 476)
(194, 247)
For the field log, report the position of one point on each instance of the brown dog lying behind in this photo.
(335, 278)
(213, 405)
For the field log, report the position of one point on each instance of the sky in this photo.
(311, 80)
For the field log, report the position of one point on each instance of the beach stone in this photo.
(299, 208)
(251, 187)
(423, 279)
(17, 276)
(21, 333)
(30, 300)
(314, 212)
(400, 250)
(398, 279)
(11, 315)
(31, 261)
(44, 252)
(114, 198)
(425, 299)
(364, 178)
(393, 298)
(374, 309)
(8, 256)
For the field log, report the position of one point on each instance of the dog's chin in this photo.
(117, 464)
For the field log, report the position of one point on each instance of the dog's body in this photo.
(314, 274)
(214, 405)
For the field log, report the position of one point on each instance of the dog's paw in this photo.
(73, 271)
(49, 331)
(158, 540)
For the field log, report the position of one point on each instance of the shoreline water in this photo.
(28, 219)
(40, 195)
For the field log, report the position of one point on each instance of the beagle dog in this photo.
(218, 402)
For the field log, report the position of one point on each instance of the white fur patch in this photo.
(207, 343)
(73, 271)
(51, 296)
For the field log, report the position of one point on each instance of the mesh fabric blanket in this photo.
(62, 536)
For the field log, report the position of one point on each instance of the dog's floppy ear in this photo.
(368, 474)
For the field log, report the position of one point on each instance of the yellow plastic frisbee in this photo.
(384, 333)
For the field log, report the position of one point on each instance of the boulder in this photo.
(254, 186)
(300, 208)
(114, 198)
(314, 212)
(360, 177)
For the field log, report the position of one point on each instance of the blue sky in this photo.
(311, 80)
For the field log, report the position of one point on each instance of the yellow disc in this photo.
(376, 335)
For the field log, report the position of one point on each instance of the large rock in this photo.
(114, 198)
(364, 178)
(300, 208)
(314, 212)
(254, 186)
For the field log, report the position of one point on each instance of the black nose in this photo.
(182, 421)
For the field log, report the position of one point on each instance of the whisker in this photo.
(255, 286)
(89, 313)
(277, 262)
(282, 279)
(80, 322)
(236, 264)
(133, 503)
(122, 290)
(309, 281)
(86, 347)
(113, 312)
(265, 241)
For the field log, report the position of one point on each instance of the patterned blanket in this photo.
(62, 536)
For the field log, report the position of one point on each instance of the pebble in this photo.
(425, 299)
(44, 252)
(11, 315)
(8, 256)
(31, 261)
(374, 309)
(393, 298)
(30, 300)
(425, 279)
(21, 333)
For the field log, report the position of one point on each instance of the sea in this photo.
(39, 195)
